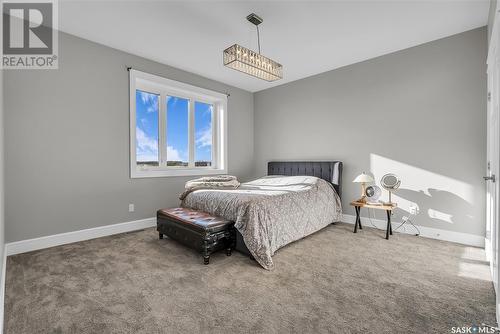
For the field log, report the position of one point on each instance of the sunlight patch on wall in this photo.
(439, 197)
(439, 215)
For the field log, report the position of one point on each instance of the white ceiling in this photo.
(306, 37)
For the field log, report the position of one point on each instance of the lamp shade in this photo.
(363, 178)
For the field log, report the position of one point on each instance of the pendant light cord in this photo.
(258, 37)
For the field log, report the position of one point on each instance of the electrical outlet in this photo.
(131, 207)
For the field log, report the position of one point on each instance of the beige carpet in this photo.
(331, 282)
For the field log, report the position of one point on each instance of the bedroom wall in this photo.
(67, 142)
(2, 211)
(420, 113)
(491, 16)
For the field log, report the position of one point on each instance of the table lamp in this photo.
(363, 178)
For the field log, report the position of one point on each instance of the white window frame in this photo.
(164, 87)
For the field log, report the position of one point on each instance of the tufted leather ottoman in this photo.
(196, 229)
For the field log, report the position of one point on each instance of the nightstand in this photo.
(387, 207)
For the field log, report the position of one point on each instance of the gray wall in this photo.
(420, 113)
(491, 17)
(2, 191)
(67, 142)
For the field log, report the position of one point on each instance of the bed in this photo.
(294, 200)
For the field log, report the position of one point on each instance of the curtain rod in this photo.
(131, 68)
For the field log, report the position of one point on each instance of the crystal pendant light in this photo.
(250, 62)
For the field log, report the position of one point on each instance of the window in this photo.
(175, 129)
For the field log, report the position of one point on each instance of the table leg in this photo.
(359, 218)
(357, 208)
(388, 224)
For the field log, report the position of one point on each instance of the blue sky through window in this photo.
(146, 127)
(203, 133)
(177, 129)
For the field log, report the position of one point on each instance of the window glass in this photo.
(203, 114)
(146, 130)
(177, 131)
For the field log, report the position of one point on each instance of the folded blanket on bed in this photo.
(210, 182)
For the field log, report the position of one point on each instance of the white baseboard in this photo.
(29, 245)
(426, 232)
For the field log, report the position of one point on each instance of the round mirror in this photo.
(390, 181)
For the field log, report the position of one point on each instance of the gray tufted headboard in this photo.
(330, 171)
